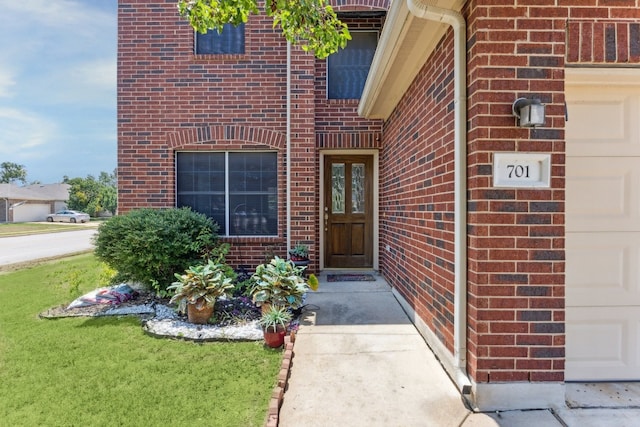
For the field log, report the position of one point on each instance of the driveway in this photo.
(25, 249)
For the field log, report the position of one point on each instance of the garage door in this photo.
(603, 225)
(31, 212)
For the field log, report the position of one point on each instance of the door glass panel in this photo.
(357, 188)
(337, 188)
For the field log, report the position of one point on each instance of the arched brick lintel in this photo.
(227, 133)
(359, 5)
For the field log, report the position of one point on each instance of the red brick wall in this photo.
(170, 99)
(604, 42)
(416, 194)
(515, 236)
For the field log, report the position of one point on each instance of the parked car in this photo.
(68, 216)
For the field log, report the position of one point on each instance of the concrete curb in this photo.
(273, 414)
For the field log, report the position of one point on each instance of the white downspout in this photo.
(456, 20)
(288, 150)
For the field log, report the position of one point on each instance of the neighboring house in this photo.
(515, 249)
(32, 202)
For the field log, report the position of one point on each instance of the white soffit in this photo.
(405, 45)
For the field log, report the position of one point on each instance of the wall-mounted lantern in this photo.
(530, 112)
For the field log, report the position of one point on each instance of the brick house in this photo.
(513, 248)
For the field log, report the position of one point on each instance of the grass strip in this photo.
(27, 228)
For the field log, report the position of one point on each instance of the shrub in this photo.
(149, 246)
(279, 283)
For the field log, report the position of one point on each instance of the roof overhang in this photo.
(405, 45)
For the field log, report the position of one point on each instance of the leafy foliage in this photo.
(93, 195)
(12, 172)
(311, 22)
(201, 285)
(300, 251)
(151, 245)
(279, 283)
(275, 317)
(234, 311)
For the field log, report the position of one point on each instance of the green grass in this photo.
(106, 371)
(24, 228)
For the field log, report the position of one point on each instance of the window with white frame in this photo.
(236, 189)
(347, 69)
(229, 41)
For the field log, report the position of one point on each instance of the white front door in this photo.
(603, 225)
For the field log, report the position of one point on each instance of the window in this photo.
(348, 68)
(229, 41)
(237, 190)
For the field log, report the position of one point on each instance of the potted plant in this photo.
(299, 255)
(198, 289)
(280, 283)
(274, 323)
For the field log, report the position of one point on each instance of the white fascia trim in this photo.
(392, 35)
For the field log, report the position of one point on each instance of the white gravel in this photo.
(179, 329)
(162, 321)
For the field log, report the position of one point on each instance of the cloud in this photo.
(22, 133)
(6, 82)
(65, 14)
(100, 73)
(61, 52)
(58, 86)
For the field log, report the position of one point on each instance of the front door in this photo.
(348, 211)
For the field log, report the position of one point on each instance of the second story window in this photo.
(348, 68)
(229, 41)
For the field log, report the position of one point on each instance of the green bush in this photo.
(149, 246)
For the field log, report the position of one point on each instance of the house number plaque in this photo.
(522, 170)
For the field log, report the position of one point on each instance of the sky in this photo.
(58, 87)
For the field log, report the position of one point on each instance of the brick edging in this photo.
(273, 415)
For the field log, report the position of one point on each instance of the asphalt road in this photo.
(17, 250)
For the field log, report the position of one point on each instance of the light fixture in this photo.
(530, 112)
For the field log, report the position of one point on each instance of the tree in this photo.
(93, 195)
(312, 23)
(11, 172)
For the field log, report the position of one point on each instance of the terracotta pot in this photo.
(275, 339)
(265, 307)
(199, 316)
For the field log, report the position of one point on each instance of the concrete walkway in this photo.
(359, 361)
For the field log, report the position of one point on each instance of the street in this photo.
(16, 250)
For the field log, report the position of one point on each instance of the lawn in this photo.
(106, 371)
(25, 228)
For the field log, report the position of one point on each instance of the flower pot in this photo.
(265, 307)
(199, 316)
(274, 339)
(300, 262)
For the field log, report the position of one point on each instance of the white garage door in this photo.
(31, 212)
(603, 225)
